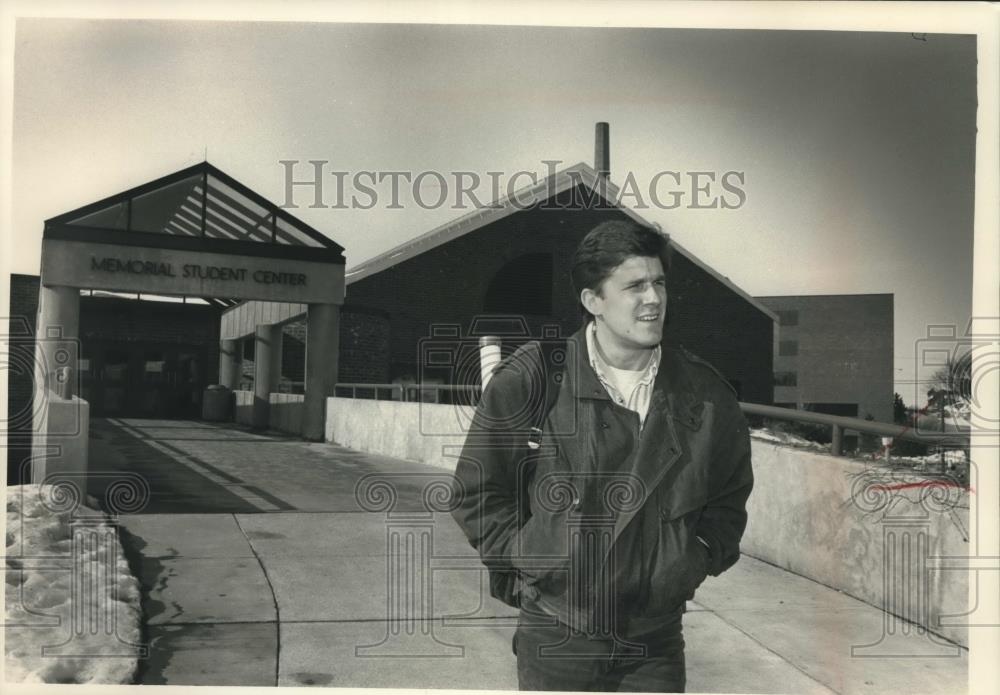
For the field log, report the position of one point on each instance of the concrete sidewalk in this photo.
(290, 584)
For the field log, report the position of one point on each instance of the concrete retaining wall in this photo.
(834, 520)
(426, 432)
(856, 527)
(285, 413)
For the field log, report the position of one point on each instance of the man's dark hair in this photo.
(608, 245)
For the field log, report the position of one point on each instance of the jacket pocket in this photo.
(679, 564)
(541, 545)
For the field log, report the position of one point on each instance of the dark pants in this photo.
(553, 657)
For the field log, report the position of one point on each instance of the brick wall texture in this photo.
(845, 351)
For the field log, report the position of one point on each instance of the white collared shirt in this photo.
(628, 388)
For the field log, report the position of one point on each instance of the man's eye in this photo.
(661, 283)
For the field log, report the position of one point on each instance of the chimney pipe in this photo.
(602, 151)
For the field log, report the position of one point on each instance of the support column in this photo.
(267, 341)
(57, 341)
(229, 363)
(276, 341)
(322, 363)
(57, 345)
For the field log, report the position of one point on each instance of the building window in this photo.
(786, 379)
(522, 286)
(788, 348)
(789, 317)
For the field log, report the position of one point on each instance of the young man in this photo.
(634, 492)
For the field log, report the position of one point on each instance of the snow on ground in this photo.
(952, 460)
(787, 438)
(89, 637)
(958, 417)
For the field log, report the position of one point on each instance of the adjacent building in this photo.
(834, 353)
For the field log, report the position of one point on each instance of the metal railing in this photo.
(413, 393)
(838, 424)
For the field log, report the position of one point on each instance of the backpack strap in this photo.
(552, 371)
(507, 584)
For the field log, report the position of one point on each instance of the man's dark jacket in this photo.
(606, 513)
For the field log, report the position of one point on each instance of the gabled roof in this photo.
(559, 182)
(199, 202)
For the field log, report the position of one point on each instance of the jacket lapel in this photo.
(672, 403)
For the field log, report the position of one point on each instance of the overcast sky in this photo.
(857, 149)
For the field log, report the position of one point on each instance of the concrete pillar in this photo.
(229, 363)
(57, 345)
(276, 343)
(322, 363)
(267, 341)
(57, 335)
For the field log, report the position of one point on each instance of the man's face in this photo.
(631, 303)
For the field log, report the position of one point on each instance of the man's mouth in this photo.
(649, 318)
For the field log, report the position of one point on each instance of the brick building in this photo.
(514, 262)
(834, 353)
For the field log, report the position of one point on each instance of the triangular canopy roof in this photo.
(197, 202)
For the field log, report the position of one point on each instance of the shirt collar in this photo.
(598, 364)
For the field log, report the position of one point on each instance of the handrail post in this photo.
(837, 445)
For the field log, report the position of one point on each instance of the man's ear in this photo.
(591, 301)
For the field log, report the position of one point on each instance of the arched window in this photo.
(521, 286)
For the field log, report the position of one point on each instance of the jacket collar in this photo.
(673, 389)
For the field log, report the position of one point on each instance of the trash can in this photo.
(217, 404)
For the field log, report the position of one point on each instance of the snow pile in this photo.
(787, 438)
(87, 625)
(958, 416)
(952, 462)
(952, 458)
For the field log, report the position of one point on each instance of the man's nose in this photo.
(653, 296)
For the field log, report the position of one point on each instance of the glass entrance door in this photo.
(114, 381)
(144, 380)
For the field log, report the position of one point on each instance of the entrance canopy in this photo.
(196, 232)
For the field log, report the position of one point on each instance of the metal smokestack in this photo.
(602, 151)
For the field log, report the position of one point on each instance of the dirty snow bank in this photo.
(89, 637)
(787, 438)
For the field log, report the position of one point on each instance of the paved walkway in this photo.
(260, 566)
